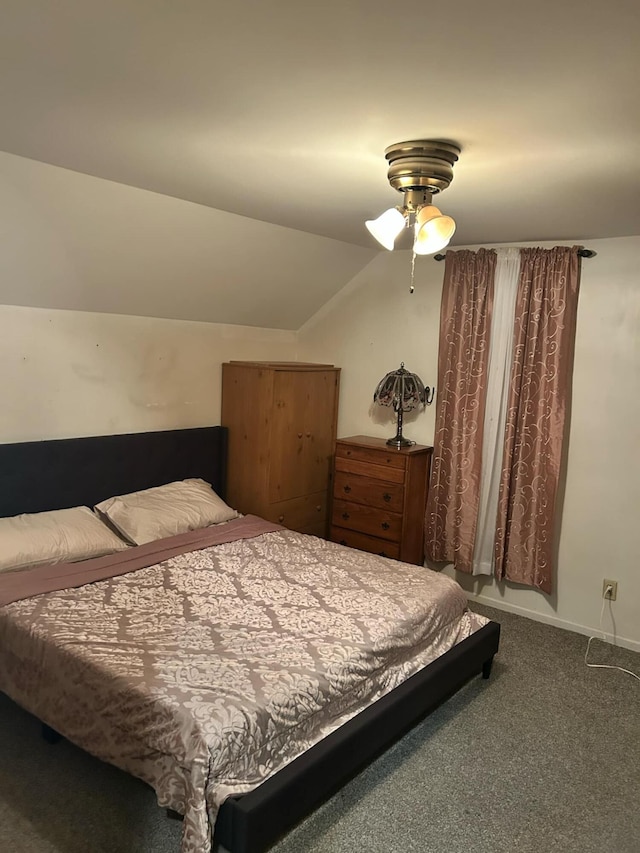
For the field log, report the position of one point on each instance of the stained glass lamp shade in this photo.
(404, 391)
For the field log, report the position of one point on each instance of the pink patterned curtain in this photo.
(465, 320)
(544, 335)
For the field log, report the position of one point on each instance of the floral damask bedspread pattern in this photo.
(208, 672)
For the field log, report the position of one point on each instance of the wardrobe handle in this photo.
(319, 508)
(385, 525)
(299, 435)
(386, 497)
(345, 515)
(280, 519)
(347, 489)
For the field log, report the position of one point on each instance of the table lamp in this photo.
(404, 391)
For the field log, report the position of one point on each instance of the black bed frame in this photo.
(43, 475)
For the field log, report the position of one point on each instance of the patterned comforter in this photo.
(210, 670)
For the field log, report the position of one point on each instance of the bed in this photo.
(300, 765)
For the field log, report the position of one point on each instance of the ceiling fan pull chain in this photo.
(413, 271)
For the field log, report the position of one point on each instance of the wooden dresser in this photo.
(282, 426)
(379, 497)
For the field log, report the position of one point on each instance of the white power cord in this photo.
(604, 665)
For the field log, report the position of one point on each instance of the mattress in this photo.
(208, 670)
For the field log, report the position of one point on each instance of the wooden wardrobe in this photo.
(282, 420)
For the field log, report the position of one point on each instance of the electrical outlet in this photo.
(609, 589)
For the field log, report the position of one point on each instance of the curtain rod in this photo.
(583, 253)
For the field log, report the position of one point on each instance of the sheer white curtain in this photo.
(499, 371)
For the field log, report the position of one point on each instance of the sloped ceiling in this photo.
(280, 111)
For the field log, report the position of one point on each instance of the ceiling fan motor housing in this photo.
(421, 165)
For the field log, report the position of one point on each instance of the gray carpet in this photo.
(544, 757)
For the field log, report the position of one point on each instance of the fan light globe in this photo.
(433, 230)
(387, 227)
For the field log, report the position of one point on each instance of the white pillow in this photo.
(61, 535)
(165, 510)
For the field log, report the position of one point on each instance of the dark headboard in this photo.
(40, 475)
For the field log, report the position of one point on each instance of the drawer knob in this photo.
(280, 518)
(385, 525)
(345, 515)
(299, 435)
(346, 489)
(319, 508)
(386, 497)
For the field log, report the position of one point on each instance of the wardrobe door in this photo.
(303, 417)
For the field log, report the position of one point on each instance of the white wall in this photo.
(374, 323)
(75, 242)
(72, 373)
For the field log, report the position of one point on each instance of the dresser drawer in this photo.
(378, 456)
(365, 543)
(367, 469)
(369, 520)
(368, 491)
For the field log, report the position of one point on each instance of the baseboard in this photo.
(623, 642)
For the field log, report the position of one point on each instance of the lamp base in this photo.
(399, 441)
